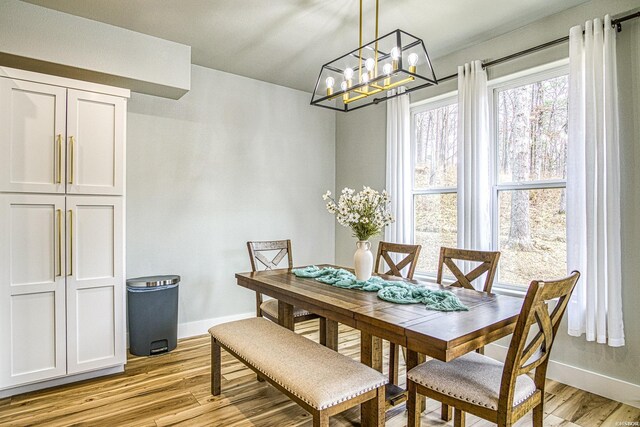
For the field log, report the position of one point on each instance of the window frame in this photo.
(530, 76)
(443, 100)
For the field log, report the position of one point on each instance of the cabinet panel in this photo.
(32, 288)
(95, 283)
(32, 119)
(95, 143)
(31, 316)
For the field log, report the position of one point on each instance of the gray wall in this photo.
(233, 160)
(361, 161)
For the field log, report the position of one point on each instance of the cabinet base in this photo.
(60, 381)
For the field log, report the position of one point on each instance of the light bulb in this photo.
(387, 68)
(369, 64)
(348, 73)
(344, 86)
(330, 82)
(413, 59)
(395, 53)
(365, 77)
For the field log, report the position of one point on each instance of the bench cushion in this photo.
(270, 307)
(473, 378)
(315, 374)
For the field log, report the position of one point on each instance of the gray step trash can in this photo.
(152, 310)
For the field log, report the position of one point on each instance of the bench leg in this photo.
(372, 411)
(216, 373)
(445, 412)
(320, 419)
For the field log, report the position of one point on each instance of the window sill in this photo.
(497, 288)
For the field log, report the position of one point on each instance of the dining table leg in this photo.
(370, 355)
(414, 359)
(285, 315)
(329, 333)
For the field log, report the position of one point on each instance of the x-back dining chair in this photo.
(500, 393)
(386, 250)
(258, 254)
(488, 264)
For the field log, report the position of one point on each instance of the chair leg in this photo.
(445, 412)
(216, 373)
(413, 418)
(394, 355)
(458, 418)
(538, 415)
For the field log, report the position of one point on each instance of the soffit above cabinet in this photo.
(38, 39)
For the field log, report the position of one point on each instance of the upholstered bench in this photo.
(322, 381)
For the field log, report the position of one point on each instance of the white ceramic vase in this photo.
(363, 260)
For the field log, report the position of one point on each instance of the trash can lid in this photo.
(152, 281)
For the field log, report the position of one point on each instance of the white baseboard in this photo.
(200, 327)
(592, 382)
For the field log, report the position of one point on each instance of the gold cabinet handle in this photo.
(59, 178)
(70, 273)
(71, 155)
(59, 214)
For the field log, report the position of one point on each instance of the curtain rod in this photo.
(614, 22)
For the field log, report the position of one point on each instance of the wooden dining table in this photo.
(440, 335)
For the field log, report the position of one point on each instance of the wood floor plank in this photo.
(625, 415)
(174, 390)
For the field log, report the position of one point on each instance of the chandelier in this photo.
(365, 75)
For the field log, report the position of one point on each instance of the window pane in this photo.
(532, 235)
(435, 157)
(532, 131)
(435, 225)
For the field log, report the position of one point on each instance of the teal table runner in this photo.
(396, 292)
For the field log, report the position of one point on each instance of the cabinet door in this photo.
(32, 120)
(95, 283)
(95, 143)
(32, 289)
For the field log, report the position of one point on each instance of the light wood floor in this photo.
(173, 389)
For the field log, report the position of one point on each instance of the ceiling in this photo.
(286, 41)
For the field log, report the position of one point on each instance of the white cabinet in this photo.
(32, 141)
(95, 283)
(95, 138)
(62, 278)
(59, 140)
(32, 298)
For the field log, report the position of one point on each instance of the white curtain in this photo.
(398, 178)
(474, 161)
(593, 185)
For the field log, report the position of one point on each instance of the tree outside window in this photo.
(530, 148)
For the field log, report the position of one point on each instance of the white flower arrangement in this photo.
(365, 212)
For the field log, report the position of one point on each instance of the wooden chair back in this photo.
(488, 264)
(395, 269)
(257, 256)
(525, 354)
(259, 259)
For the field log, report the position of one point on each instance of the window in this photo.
(434, 149)
(529, 157)
(530, 147)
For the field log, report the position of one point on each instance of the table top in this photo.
(441, 335)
